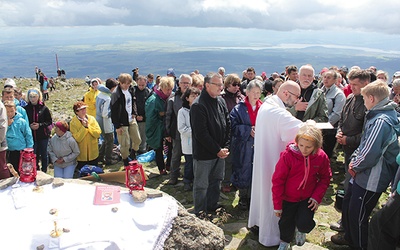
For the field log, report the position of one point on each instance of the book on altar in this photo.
(324, 125)
(105, 195)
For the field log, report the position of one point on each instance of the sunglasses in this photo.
(235, 84)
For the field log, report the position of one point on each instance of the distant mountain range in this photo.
(109, 63)
(97, 55)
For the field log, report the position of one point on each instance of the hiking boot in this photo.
(172, 181)
(339, 239)
(337, 227)
(283, 246)
(126, 162)
(243, 204)
(163, 172)
(255, 230)
(300, 238)
(132, 155)
(187, 187)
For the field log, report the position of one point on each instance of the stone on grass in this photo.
(189, 232)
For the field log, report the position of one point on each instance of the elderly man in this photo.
(209, 119)
(312, 103)
(275, 128)
(142, 92)
(173, 135)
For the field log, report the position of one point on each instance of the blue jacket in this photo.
(19, 134)
(374, 161)
(242, 146)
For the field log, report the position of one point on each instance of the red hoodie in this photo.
(297, 178)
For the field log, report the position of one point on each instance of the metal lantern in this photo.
(134, 176)
(27, 165)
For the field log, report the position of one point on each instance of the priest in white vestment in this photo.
(275, 128)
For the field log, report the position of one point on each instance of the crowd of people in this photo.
(258, 135)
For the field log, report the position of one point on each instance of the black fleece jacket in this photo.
(119, 116)
(209, 119)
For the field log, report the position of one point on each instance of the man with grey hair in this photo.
(209, 119)
(173, 135)
(312, 103)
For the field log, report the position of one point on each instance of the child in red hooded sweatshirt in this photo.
(301, 178)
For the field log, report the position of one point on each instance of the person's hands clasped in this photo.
(253, 131)
(278, 213)
(34, 125)
(341, 138)
(223, 153)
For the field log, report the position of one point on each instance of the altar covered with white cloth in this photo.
(133, 226)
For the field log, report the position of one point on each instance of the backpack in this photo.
(88, 169)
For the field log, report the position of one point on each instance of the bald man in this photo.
(275, 128)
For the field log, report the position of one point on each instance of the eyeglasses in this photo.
(185, 82)
(297, 96)
(235, 84)
(217, 84)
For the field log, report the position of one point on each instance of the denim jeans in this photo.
(40, 148)
(188, 171)
(66, 173)
(208, 175)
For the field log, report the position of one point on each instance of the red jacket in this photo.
(290, 182)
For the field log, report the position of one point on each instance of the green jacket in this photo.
(155, 127)
(317, 109)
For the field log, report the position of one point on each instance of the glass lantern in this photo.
(134, 176)
(27, 165)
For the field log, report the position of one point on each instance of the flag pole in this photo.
(57, 62)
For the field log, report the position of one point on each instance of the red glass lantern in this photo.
(27, 165)
(134, 176)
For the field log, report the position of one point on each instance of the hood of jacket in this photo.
(65, 136)
(385, 110)
(104, 89)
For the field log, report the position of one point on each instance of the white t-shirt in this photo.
(128, 104)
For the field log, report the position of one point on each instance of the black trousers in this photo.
(384, 227)
(13, 158)
(295, 214)
(356, 209)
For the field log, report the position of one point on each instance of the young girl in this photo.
(186, 134)
(301, 178)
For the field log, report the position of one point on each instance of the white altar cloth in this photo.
(134, 226)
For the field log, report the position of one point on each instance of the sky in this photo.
(280, 15)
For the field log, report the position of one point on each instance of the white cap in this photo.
(10, 83)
